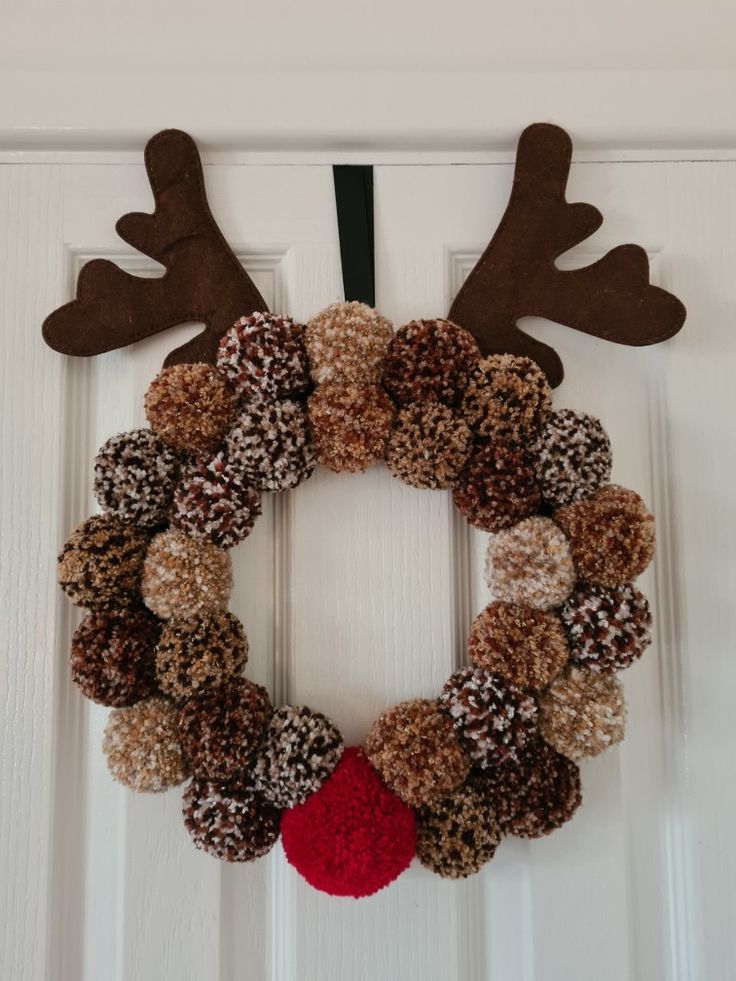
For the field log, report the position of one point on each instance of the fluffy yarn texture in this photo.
(572, 457)
(347, 342)
(350, 425)
(493, 718)
(142, 746)
(430, 360)
(428, 446)
(135, 475)
(264, 355)
(300, 750)
(523, 645)
(496, 489)
(582, 713)
(530, 565)
(101, 562)
(507, 398)
(229, 821)
(611, 535)
(221, 727)
(269, 445)
(184, 577)
(353, 836)
(199, 653)
(112, 656)
(190, 406)
(457, 835)
(608, 629)
(415, 749)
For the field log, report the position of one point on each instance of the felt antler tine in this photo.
(516, 275)
(204, 281)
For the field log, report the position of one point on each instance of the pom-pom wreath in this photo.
(493, 718)
(457, 835)
(611, 535)
(264, 355)
(507, 398)
(135, 474)
(350, 425)
(190, 407)
(229, 821)
(572, 457)
(353, 836)
(199, 653)
(100, 565)
(428, 446)
(496, 489)
(530, 565)
(142, 746)
(608, 629)
(582, 713)
(346, 342)
(415, 749)
(300, 750)
(535, 794)
(525, 646)
(184, 577)
(112, 656)
(269, 445)
(430, 360)
(212, 503)
(221, 727)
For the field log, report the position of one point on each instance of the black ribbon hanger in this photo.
(354, 199)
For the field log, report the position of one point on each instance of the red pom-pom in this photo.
(353, 836)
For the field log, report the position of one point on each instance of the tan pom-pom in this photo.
(457, 835)
(507, 398)
(198, 653)
(530, 565)
(142, 746)
(190, 407)
(582, 713)
(350, 425)
(184, 577)
(101, 562)
(346, 342)
(428, 446)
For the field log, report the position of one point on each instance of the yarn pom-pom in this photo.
(582, 713)
(416, 751)
(269, 445)
(608, 629)
(135, 475)
(493, 718)
(428, 446)
(112, 656)
(572, 457)
(507, 398)
(530, 565)
(199, 653)
(190, 407)
(347, 342)
(101, 562)
(353, 836)
(221, 727)
(525, 646)
(229, 820)
(430, 361)
(184, 577)
(457, 835)
(350, 425)
(496, 489)
(143, 748)
(263, 355)
(611, 535)
(300, 750)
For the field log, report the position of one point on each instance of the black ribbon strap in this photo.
(354, 199)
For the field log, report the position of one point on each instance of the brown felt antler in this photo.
(516, 275)
(204, 281)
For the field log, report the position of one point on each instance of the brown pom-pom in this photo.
(414, 748)
(199, 653)
(496, 489)
(521, 644)
(269, 445)
(350, 425)
(611, 536)
(184, 577)
(229, 820)
(263, 354)
(572, 457)
(507, 398)
(190, 407)
(143, 748)
(428, 446)
(346, 342)
(430, 361)
(582, 713)
(457, 835)
(608, 629)
(100, 565)
(221, 727)
(530, 565)
(112, 656)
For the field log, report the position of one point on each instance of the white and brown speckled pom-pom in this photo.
(229, 821)
(264, 354)
(430, 361)
(507, 398)
(457, 835)
(608, 629)
(350, 425)
(190, 406)
(198, 653)
(428, 445)
(143, 747)
(530, 565)
(496, 488)
(572, 457)
(269, 445)
(347, 342)
(184, 577)
(101, 563)
(582, 713)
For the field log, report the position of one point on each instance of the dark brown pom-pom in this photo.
(112, 656)
(346, 342)
(582, 713)
(608, 629)
(190, 407)
(430, 361)
(457, 835)
(101, 563)
(264, 355)
(269, 445)
(507, 398)
(496, 488)
(184, 577)
(229, 820)
(142, 746)
(135, 475)
(350, 425)
(199, 653)
(428, 446)
(572, 457)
